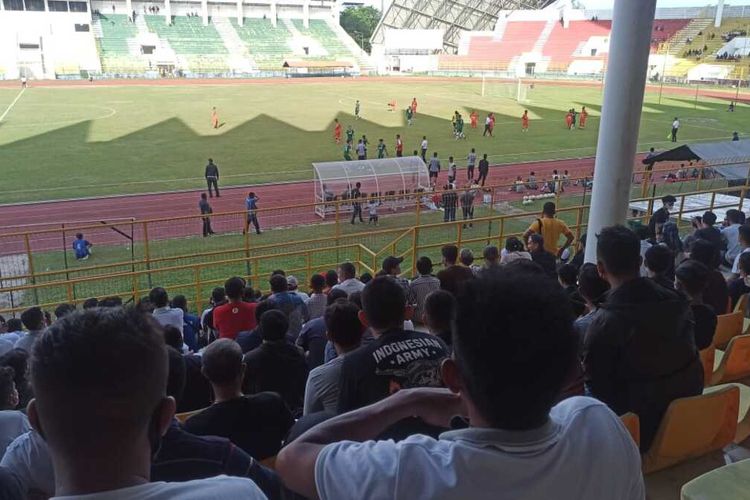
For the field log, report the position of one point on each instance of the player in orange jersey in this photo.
(569, 120)
(525, 121)
(582, 119)
(337, 131)
(474, 117)
(414, 107)
(214, 118)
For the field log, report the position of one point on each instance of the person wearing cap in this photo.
(551, 229)
(660, 217)
(347, 279)
(392, 268)
(292, 285)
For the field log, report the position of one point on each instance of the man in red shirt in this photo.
(399, 145)
(235, 316)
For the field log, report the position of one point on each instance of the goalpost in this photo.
(504, 88)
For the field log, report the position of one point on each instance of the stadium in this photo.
(190, 148)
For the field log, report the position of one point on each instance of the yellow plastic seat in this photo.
(182, 417)
(743, 414)
(633, 425)
(727, 326)
(741, 305)
(734, 363)
(707, 360)
(731, 482)
(693, 427)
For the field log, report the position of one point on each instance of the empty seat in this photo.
(707, 360)
(633, 424)
(182, 417)
(734, 363)
(727, 326)
(743, 415)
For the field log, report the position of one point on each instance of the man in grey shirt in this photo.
(421, 286)
(434, 169)
(348, 283)
(345, 331)
(730, 235)
(471, 162)
(164, 314)
(33, 319)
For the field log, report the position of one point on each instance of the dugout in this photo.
(394, 181)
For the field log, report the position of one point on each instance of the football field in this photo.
(73, 141)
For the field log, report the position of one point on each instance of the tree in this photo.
(360, 22)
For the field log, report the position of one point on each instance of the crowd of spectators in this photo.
(501, 375)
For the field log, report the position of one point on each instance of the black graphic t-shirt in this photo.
(396, 360)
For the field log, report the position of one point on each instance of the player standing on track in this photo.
(212, 177)
(525, 121)
(214, 118)
(423, 146)
(355, 195)
(337, 131)
(361, 150)
(414, 107)
(24, 82)
(452, 170)
(251, 203)
(434, 169)
(356, 110)
(382, 152)
(474, 117)
(399, 146)
(471, 162)
(484, 169)
(584, 117)
(206, 212)
(675, 128)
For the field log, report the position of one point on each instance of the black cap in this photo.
(390, 262)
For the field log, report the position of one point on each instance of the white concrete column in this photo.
(621, 116)
(719, 13)
(240, 14)
(306, 13)
(167, 12)
(129, 7)
(273, 14)
(204, 10)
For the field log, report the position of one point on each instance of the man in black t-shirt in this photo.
(706, 229)
(484, 169)
(396, 359)
(660, 217)
(256, 423)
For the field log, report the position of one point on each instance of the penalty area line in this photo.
(10, 106)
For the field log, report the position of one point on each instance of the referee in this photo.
(212, 178)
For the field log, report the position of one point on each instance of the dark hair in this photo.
(659, 259)
(744, 266)
(549, 209)
(145, 305)
(537, 239)
(568, 274)
(669, 198)
(466, 256)
(90, 395)
(177, 374)
(440, 308)
(510, 323)
(619, 250)
(7, 374)
(158, 296)
(18, 359)
(279, 271)
(234, 286)
(273, 325)
(332, 278)
(342, 323)
(218, 295)
(450, 253)
(706, 253)
(317, 283)
(90, 303)
(693, 276)
(709, 218)
(33, 318)
(248, 294)
(347, 270)
(14, 325)
(590, 283)
(356, 299)
(334, 295)
(222, 361)
(734, 216)
(111, 302)
(424, 265)
(278, 283)
(383, 301)
(64, 309)
(513, 244)
(263, 306)
(173, 337)
(204, 196)
(179, 302)
(744, 234)
(365, 278)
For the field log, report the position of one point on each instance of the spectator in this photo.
(730, 235)
(739, 286)
(235, 316)
(716, 294)
(592, 288)
(540, 256)
(163, 313)
(312, 339)
(18, 359)
(504, 320)
(257, 423)
(706, 229)
(81, 247)
(13, 423)
(396, 358)
(90, 303)
(251, 339)
(513, 251)
(290, 304)
(365, 278)
(293, 287)
(124, 407)
(332, 279)
(578, 258)
(567, 276)
(316, 304)
(422, 285)
(744, 238)
(33, 319)
(111, 302)
(550, 229)
(452, 276)
(659, 263)
(660, 217)
(349, 283)
(64, 309)
(218, 298)
(249, 295)
(191, 323)
(173, 338)
(639, 351)
(392, 268)
(14, 330)
(345, 332)
(691, 278)
(466, 257)
(277, 365)
(439, 315)
(10, 486)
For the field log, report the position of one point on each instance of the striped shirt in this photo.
(420, 288)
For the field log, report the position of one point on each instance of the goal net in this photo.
(504, 88)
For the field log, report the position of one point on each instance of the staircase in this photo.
(239, 58)
(677, 47)
(96, 27)
(362, 58)
(544, 36)
(499, 31)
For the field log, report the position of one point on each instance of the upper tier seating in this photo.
(323, 34)
(187, 35)
(267, 44)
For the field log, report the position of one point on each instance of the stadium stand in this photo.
(565, 44)
(268, 44)
(115, 36)
(200, 47)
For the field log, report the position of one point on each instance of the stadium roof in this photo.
(451, 16)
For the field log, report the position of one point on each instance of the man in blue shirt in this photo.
(251, 203)
(81, 247)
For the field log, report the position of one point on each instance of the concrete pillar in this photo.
(167, 12)
(273, 14)
(719, 12)
(129, 7)
(621, 116)
(306, 13)
(204, 11)
(240, 14)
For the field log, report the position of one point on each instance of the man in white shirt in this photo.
(731, 236)
(13, 423)
(675, 128)
(33, 319)
(103, 415)
(520, 444)
(164, 314)
(744, 239)
(348, 283)
(293, 285)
